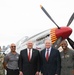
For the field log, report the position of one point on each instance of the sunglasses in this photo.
(13, 46)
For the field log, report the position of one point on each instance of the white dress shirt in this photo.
(30, 52)
(49, 51)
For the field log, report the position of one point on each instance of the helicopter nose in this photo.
(63, 32)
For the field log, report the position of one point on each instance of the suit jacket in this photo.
(53, 65)
(26, 66)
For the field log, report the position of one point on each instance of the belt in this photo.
(12, 69)
(67, 67)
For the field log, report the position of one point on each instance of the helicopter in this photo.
(56, 35)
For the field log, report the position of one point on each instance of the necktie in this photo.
(47, 55)
(29, 55)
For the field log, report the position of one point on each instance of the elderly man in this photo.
(29, 60)
(50, 60)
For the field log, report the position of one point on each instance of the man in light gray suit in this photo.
(67, 59)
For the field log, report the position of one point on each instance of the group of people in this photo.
(48, 61)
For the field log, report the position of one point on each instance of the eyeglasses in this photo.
(13, 46)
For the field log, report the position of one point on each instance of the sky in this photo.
(19, 18)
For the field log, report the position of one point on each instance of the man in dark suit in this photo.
(50, 60)
(29, 60)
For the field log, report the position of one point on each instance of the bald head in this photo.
(64, 44)
(13, 47)
(12, 44)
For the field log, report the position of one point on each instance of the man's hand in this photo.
(41, 73)
(21, 73)
(72, 71)
(37, 73)
(4, 65)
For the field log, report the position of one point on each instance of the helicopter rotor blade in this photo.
(70, 20)
(49, 16)
(71, 42)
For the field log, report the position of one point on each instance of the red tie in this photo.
(47, 55)
(29, 55)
